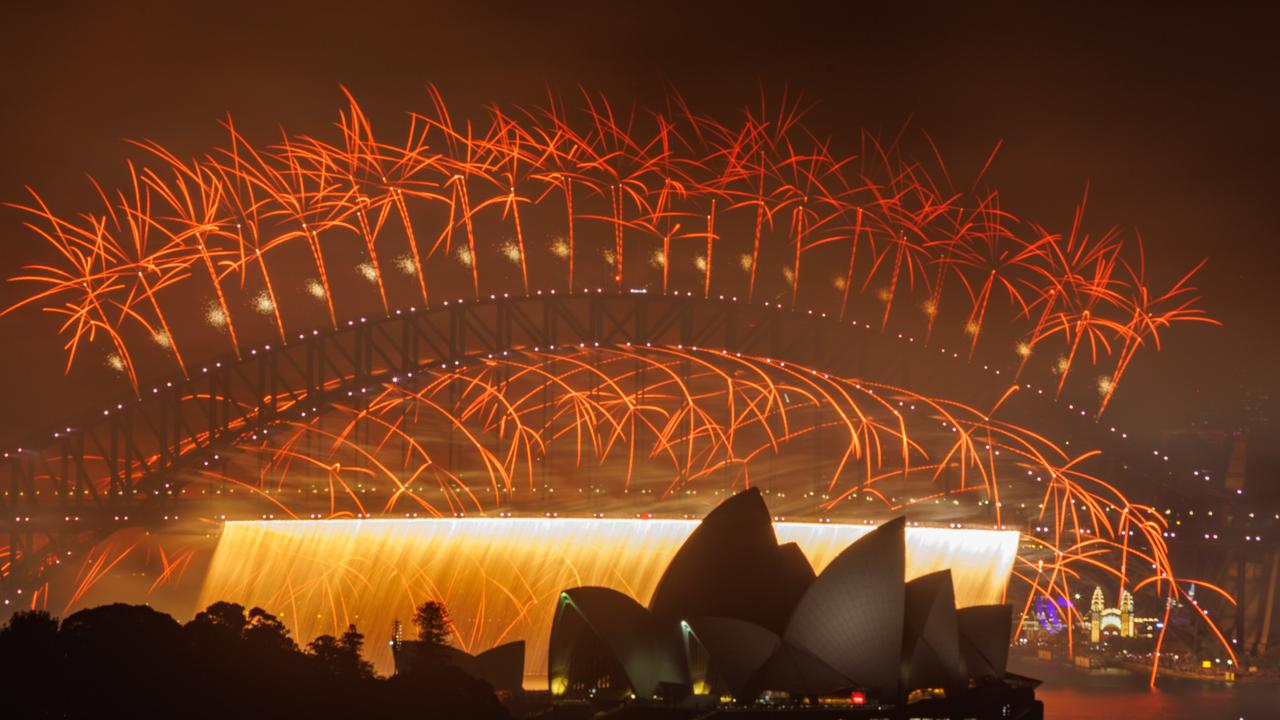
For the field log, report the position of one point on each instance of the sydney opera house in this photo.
(739, 618)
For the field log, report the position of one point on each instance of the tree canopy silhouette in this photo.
(341, 656)
(130, 660)
(432, 621)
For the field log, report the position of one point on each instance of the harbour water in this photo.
(1071, 694)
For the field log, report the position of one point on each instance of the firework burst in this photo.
(463, 254)
(785, 205)
(262, 303)
(891, 222)
(315, 289)
(511, 251)
(214, 315)
(407, 264)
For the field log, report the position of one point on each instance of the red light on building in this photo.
(858, 698)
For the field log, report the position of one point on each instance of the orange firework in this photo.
(532, 199)
(765, 190)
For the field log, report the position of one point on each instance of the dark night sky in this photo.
(1172, 117)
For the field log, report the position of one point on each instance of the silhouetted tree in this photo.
(29, 648)
(352, 641)
(432, 680)
(30, 627)
(114, 647)
(132, 661)
(265, 632)
(432, 620)
(223, 615)
(341, 656)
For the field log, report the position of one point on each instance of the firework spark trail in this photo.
(765, 188)
(680, 428)
(886, 446)
(537, 188)
(501, 577)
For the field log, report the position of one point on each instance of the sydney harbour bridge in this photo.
(148, 447)
(703, 363)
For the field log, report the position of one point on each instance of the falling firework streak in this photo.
(501, 577)
(680, 182)
(667, 430)
(663, 198)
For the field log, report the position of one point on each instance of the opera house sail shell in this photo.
(732, 566)
(851, 616)
(739, 614)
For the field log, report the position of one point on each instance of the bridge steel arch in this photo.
(122, 464)
(119, 465)
(133, 445)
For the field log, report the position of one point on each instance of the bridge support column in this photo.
(1268, 607)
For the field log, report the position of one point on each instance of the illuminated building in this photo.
(1119, 621)
(738, 615)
